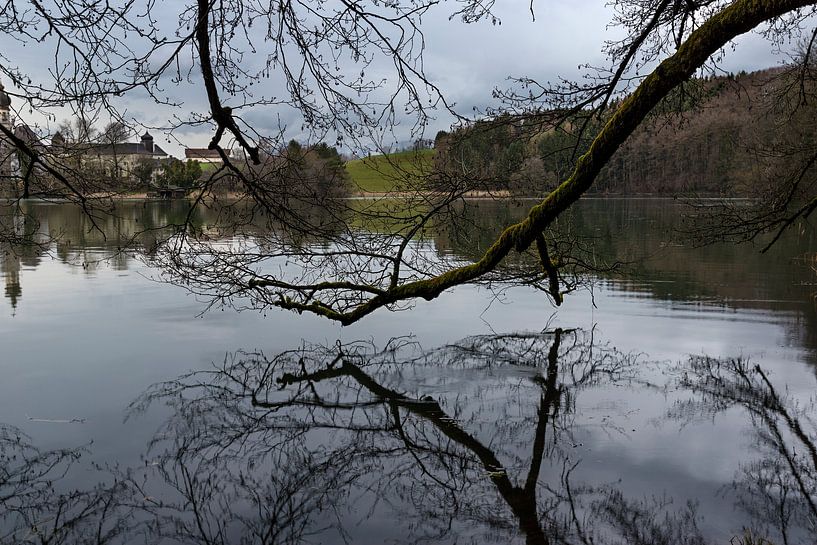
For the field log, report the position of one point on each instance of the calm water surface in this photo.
(669, 403)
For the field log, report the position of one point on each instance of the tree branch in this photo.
(736, 19)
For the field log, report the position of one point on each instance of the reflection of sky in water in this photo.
(83, 343)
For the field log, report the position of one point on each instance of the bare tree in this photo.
(114, 133)
(368, 257)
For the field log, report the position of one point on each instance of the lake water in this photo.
(670, 402)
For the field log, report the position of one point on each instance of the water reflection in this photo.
(627, 230)
(399, 445)
(32, 232)
(638, 232)
(662, 264)
(33, 507)
(20, 246)
(647, 236)
(518, 437)
(123, 234)
(779, 489)
(479, 441)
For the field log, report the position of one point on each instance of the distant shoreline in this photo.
(501, 195)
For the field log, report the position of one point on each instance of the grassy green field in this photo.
(209, 167)
(384, 173)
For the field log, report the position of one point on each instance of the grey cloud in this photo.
(466, 61)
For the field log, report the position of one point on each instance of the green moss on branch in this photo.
(738, 18)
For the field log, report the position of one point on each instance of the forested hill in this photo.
(715, 136)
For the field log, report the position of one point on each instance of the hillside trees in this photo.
(713, 137)
(358, 269)
(176, 173)
(784, 186)
(310, 174)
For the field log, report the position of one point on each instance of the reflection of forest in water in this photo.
(663, 265)
(492, 439)
(630, 230)
(479, 441)
(34, 231)
(120, 232)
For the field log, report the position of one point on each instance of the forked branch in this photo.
(734, 20)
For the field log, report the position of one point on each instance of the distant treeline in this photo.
(712, 136)
(294, 172)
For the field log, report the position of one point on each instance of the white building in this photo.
(204, 155)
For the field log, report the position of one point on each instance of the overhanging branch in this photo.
(738, 18)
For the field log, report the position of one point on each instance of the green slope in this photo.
(384, 173)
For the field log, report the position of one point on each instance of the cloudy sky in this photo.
(466, 61)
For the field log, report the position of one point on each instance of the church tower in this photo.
(8, 159)
(5, 107)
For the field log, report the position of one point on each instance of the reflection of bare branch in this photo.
(641, 524)
(34, 510)
(778, 489)
(347, 420)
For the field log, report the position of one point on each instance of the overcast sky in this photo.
(466, 61)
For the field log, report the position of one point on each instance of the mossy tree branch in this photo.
(734, 20)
